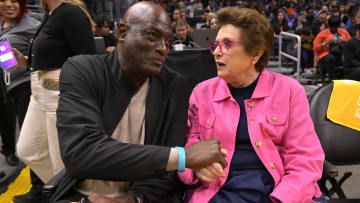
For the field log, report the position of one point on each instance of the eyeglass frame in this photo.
(221, 46)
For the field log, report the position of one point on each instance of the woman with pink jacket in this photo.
(261, 118)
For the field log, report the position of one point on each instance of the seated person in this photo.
(307, 52)
(181, 35)
(352, 58)
(261, 118)
(355, 27)
(328, 48)
(121, 115)
(103, 30)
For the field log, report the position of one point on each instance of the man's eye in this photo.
(152, 36)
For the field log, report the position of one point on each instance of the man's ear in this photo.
(122, 31)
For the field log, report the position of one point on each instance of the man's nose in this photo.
(161, 47)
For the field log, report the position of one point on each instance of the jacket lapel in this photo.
(156, 106)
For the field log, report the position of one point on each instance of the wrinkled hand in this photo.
(204, 153)
(20, 58)
(209, 173)
(98, 198)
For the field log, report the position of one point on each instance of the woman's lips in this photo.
(220, 65)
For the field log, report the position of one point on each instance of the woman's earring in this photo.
(254, 62)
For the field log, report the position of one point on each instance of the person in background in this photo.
(261, 119)
(181, 35)
(327, 46)
(310, 15)
(122, 115)
(18, 28)
(319, 23)
(213, 23)
(103, 30)
(67, 30)
(301, 22)
(354, 30)
(307, 52)
(352, 58)
(210, 16)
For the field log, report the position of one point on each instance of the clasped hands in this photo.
(206, 158)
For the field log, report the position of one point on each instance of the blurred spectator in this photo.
(181, 35)
(280, 24)
(328, 48)
(301, 22)
(18, 28)
(319, 23)
(355, 27)
(307, 52)
(290, 8)
(176, 15)
(210, 16)
(310, 15)
(352, 12)
(103, 30)
(352, 58)
(214, 23)
(212, 7)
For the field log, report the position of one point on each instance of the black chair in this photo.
(100, 45)
(341, 144)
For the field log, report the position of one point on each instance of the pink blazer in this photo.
(280, 128)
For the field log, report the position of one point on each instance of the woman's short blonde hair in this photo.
(79, 3)
(256, 31)
(210, 17)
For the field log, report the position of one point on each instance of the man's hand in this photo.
(98, 198)
(204, 153)
(20, 58)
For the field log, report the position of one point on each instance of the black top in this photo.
(187, 42)
(248, 179)
(94, 94)
(244, 156)
(65, 33)
(352, 53)
(110, 40)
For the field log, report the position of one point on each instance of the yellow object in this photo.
(344, 105)
(20, 186)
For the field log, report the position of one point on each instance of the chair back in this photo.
(204, 37)
(341, 144)
(100, 45)
(196, 65)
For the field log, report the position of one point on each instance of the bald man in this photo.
(121, 115)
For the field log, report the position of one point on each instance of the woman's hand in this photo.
(20, 58)
(209, 173)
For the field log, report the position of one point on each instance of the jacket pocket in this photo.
(275, 126)
(207, 121)
(207, 126)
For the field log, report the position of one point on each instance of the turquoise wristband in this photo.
(182, 159)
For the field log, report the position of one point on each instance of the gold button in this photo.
(208, 122)
(272, 166)
(251, 121)
(258, 143)
(274, 118)
(251, 104)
